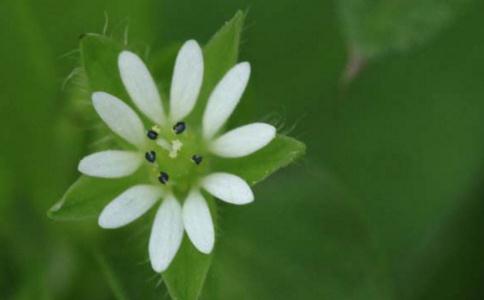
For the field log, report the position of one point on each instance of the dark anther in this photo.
(152, 135)
(197, 159)
(163, 178)
(150, 156)
(179, 127)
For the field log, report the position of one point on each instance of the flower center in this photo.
(176, 156)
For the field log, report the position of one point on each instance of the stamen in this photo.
(176, 146)
(150, 156)
(152, 135)
(163, 178)
(153, 132)
(179, 127)
(197, 159)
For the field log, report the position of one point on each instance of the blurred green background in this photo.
(387, 204)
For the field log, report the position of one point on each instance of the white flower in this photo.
(174, 156)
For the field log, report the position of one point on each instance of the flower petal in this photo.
(243, 140)
(224, 98)
(129, 206)
(228, 187)
(140, 86)
(110, 163)
(119, 117)
(198, 222)
(187, 80)
(166, 234)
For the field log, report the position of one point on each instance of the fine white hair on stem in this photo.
(106, 23)
(75, 72)
(70, 53)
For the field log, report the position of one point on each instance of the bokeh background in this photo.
(387, 204)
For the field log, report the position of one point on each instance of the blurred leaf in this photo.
(376, 27)
(29, 105)
(256, 167)
(6, 187)
(408, 141)
(302, 238)
(87, 197)
(111, 278)
(448, 266)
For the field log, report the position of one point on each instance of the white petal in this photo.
(224, 98)
(243, 140)
(187, 80)
(110, 163)
(129, 206)
(140, 86)
(166, 234)
(228, 187)
(119, 117)
(198, 222)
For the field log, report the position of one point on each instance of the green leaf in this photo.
(377, 27)
(222, 51)
(111, 277)
(100, 60)
(256, 167)
(220, 54)
(99, 55)
(186, 275)
(87, 197)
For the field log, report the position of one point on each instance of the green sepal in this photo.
(86, 197)
(220, 54)
(99, 56)
(256, 167)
